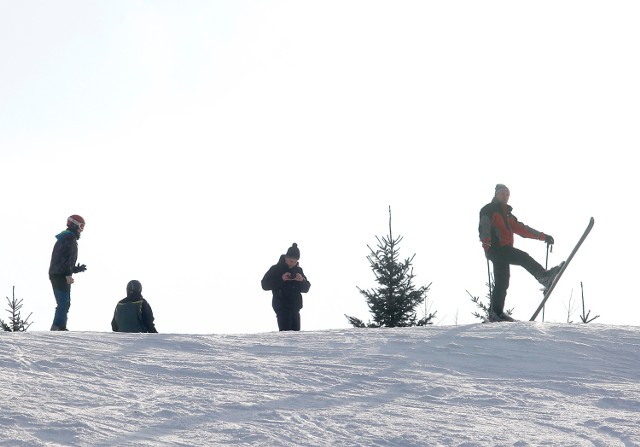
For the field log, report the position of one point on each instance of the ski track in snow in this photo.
(511, 384)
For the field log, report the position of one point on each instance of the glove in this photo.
(79, 268)
(487, 249)
(549, 239)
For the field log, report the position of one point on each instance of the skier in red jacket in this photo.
(497, 227)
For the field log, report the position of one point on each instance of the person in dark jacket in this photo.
(287, 282)
(63, 266)
(497, 227)
(133, 313)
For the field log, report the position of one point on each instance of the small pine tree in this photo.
(392, 304)
(16, 323)
(585, 316)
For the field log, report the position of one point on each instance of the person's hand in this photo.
(549, 239)
(79, 268)
(69, 279)
(298, 277)
(286, 276)
(487, 249)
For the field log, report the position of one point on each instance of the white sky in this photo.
(200, 139)
(515, 384)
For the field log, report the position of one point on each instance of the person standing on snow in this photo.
(63, 266)
(133, 313)
(497, 227)
(287, 282)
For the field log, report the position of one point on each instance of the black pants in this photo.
(502, 258)
(288, 319)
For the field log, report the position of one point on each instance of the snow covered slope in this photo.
(511, 384)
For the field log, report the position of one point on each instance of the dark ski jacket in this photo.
(286, 294)
(65, 253)
(133, 314)
(498, 225)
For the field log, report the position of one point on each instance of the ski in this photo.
(564, 267)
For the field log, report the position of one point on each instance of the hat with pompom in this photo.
(293, 252)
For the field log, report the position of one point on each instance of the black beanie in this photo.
(293, 252)
(500, 186)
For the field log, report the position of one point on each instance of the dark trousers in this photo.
(62, 293)
(502, 258)
(288, 319)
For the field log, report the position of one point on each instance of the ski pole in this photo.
(546, 262)
(546, 267)
(490, 292)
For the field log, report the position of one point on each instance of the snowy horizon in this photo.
(508, 384)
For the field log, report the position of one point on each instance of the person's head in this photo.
(292, 256)
(502, 193)
(75, 223)
(134, 286)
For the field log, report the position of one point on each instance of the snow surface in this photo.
(507, 384)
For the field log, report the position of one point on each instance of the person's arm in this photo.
(114, 323)
(484, 230)
(68, 255)
(304, 285)
(147, 318)
(270, 280)
(526, 231)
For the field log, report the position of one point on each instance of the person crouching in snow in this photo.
(133, 313)
(287, 282)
